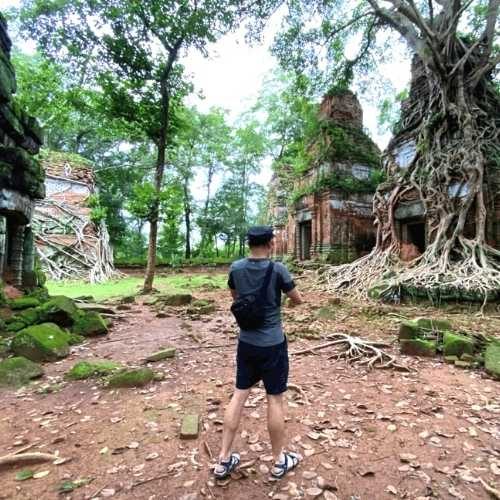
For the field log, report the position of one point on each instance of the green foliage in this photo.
(342, 182)
(345, 143)
(98, 212)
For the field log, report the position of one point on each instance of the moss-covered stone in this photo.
(201, 307)
(418, 347)
(75, 339)
(24, 303)
(45, 342)
(456, 345)
(92, 369)
(190, 427)
(137, 377)
(176, 299)
(492, 359)
(15, 326)
(59, 310)
(450, 359)
(434, 325)
(463, 364)
(409, 330)
(18, 371)
(162, 354)
(4, 347)
(90, 324)
(29, 316)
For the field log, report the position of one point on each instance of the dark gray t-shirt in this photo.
(246, 276)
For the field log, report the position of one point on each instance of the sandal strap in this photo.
(283, 466)
(228, 465)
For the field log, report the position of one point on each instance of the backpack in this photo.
(249, 309)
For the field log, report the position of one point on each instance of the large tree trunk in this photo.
(455, 125)
(158, 181)
(204, 235)
(187, 218)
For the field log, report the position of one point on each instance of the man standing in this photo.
(262, 351)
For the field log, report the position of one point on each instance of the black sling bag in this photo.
(249, 309)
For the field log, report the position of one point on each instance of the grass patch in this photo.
(132, 285)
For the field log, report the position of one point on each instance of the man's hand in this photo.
(294, 297)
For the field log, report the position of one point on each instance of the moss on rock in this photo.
(135, 377)
(456, 345)
(418, 347)
(176, 299)
(60, 310)
(90, 324)
(492, 359)
(92, 369)
(24, 303)
(18, 371)
(45, 342)
(433, 325)
(75, 339)
(409, 330)
(201, 307)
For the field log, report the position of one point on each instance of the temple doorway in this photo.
(305, 238)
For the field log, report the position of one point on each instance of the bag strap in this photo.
(267, 280)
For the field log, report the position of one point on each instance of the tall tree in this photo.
(132, 47)
(455, 122)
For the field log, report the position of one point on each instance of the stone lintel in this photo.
(409, 210)
(17, 204)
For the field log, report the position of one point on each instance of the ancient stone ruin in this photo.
(330, 214)
(412, 224)
(71, 243)
(21, 177)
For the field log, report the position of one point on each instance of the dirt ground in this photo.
(432, 432)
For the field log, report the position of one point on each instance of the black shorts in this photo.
(269, 364)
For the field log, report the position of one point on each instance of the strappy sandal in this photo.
(281, 468)
(227, 467)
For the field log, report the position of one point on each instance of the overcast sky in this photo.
(232, 77)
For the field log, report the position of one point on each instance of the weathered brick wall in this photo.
(21, 176)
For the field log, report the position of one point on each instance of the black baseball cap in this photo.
(259, 235)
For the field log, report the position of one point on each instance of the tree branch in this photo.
(489, 32)
(355, 19)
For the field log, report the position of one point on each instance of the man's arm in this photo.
(234, 293)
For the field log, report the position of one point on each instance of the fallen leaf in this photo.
(309, 474)
(263, 469)
(314, 492)
(133, 445)
(406, 457)
(24, 474)
(41, 474)
(391, 489)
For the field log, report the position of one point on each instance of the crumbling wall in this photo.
(69, 242)
(21, 176)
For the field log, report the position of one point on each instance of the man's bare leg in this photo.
(232, 421)
(276, 424)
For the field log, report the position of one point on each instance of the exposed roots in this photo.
(356, 350)
(70, 245)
